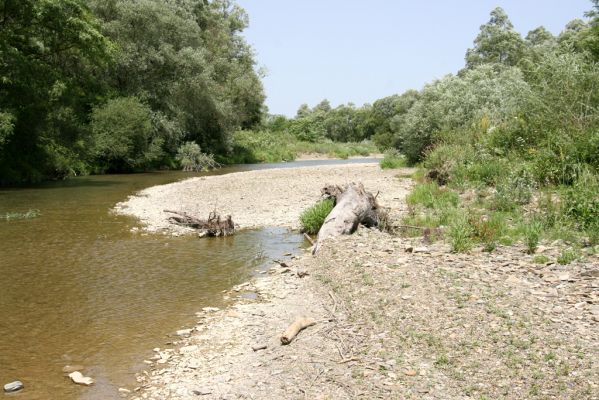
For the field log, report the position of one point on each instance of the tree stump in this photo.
(354, 206)
(213, 226)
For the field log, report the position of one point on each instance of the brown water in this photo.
(77, 287)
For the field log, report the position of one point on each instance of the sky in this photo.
(361, 50)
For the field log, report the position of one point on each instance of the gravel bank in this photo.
(254, 199)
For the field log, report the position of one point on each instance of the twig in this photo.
(309, 238)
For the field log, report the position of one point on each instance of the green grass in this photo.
(393, 159)
(312, 219)
(567, 256)
(430, 195)
(262, 146)
(18, 215)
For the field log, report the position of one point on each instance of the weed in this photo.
(541, 259)
(532, 232)
(430, 195)
(460, 233)
(567, 256)
(312, 219)
(393, 159)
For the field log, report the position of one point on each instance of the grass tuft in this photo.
(312, 219)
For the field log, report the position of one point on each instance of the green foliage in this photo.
(540, 259)
(581, 202)
(393, 159)
(430, 195)
(191, 158)
(567, 256)
(460, 233)
(266, 146)
(532, 232)
(123, 136)
(312, 219)
(497, 43)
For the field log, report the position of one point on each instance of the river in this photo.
(78, 287)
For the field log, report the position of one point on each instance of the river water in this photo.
(77, 287)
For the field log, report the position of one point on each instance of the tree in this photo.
(51, 52)
(124, 138)
(497, 43)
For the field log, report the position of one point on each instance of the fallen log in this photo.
(293, 329)
(354, 206)
(213, 226)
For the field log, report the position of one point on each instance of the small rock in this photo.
(201, 392)
(78, 378)
(188, 349)
(13, 386)
(257, 347)
(421, 250)
(210, 309)
(410, 372)
(124, 391)
(184, 332)
(409, 249)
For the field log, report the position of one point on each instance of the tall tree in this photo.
(497, 43)
(50, 52)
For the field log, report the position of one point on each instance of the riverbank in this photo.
(396, 318)
(272, 197)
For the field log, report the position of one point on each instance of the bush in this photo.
(581, 202)
(312, 219)
(124, 136)
(191, 158)
(393, 159)
(532, 233)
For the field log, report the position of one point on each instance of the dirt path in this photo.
(396, 319)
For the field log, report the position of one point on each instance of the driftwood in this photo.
(293, 329)
(213, 226)
(354, 206)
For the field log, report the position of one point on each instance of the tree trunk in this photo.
(354, 206)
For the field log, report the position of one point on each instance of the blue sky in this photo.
(359, 51)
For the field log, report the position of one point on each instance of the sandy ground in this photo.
(397, 318)
(274, 197)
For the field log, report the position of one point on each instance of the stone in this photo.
(13, 386)
(210, 309)
(188, 349)
(78, 378)
(184, 332)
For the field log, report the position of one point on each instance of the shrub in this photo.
(191, 158)
(312, 219)
(123, 134)
(393, 159)
(581, 202)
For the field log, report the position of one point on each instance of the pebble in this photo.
(210, 309)
(13, 386)
(184, 332)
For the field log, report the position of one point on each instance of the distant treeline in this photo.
(119, 85)
(531, 100)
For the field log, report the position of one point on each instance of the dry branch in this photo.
(293, 329)
(213, 226)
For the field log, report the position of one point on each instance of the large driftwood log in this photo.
(354, 206)
(213, 226)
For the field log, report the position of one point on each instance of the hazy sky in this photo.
(361, 50)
